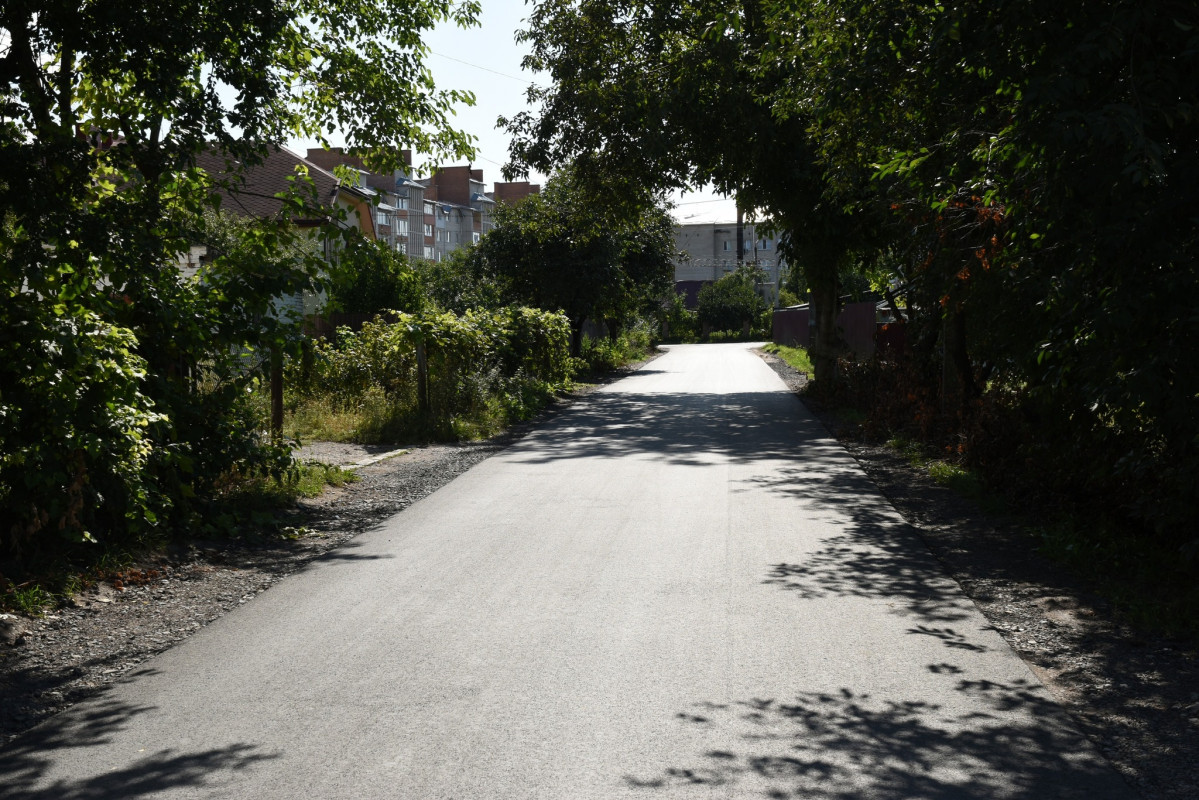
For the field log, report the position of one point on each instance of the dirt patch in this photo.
(1134, 695)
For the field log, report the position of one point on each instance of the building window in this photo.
(726, 245)
(428, 208)
(476, 238)
(429, 252)
(428, 229)
(401, 227)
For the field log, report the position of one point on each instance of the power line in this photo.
(485, 69)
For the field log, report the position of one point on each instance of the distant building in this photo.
(462, 210)
(251, 192)
(709, 252)
(399, 200)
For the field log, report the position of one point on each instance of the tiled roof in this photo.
(252, 193)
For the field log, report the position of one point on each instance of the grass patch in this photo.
(796, 357)
(30, 599)
(374, 418)
(306, 479)
(962, 481)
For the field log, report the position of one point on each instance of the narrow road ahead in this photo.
(679, 588)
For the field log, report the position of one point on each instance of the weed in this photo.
(910, 449)
(30, 599)
(796, 357)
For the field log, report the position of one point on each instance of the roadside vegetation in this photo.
(1143, 577)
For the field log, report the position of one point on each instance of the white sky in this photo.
(486, 60)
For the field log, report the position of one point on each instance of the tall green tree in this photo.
(1045, 157)
(108, 416)
(559, 251)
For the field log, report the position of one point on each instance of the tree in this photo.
(370, 277)
(104, 108)
(659, 96)
(1041, 162)
(559, 251)
(731, 302)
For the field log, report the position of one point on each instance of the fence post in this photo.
(422, 377)
(276, 392)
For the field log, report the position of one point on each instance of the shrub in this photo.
(731, 302)
(483, 368)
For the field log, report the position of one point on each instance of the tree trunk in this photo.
(576, 338)
(824, 349)
(958, 385)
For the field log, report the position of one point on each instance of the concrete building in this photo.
(399, 199)
(462, 210)
(709, 252)
(515, 191)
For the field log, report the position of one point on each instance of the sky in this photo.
(486, 60)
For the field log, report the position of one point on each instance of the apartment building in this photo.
(401, 213)
(463, 211)
(709, 252)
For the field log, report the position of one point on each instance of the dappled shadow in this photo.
(994, 741)
(26, 764)
(678, 427)
(865, 550)
(874, 554)
(344, 552)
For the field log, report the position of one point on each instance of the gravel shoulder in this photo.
(1135, 696)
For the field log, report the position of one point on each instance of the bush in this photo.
(370, 277)
(605, 354)
(731, 302)
(484, 368)
(74, 446)
(680, 323)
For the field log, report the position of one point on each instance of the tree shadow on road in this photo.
(681, 428)
(849, 745)
(27, 763)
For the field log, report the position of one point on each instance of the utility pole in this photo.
(740, 233)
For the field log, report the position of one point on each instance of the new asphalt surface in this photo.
(680, 587)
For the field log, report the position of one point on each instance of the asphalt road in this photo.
(679, 588)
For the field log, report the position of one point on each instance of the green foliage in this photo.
(370, 277)
(29, 599)
(459, 282)
(606, 354)
(559, 251)
(731, 302)
(123, 401)
(654, 96)
(788, 298)
(485, 368)
(74, 427)
(680, 323)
